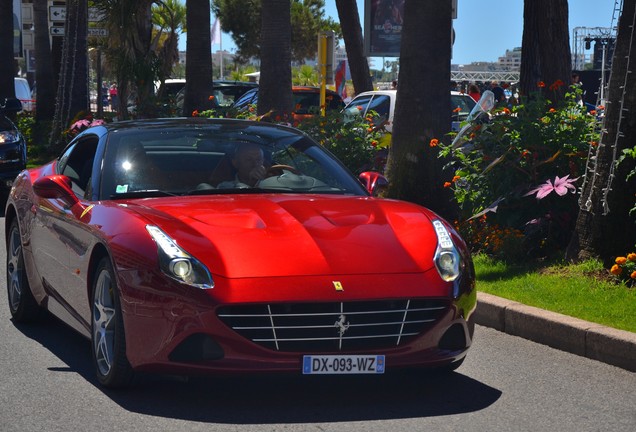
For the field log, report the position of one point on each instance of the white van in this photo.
(23, 92)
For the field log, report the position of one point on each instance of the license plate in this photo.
(344, 364)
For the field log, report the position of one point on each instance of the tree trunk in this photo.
(7, 65)
(198, 86)
(72, 91)
(352, 34)
(274, 94)
(545, 49)
(422, 111)
(45, 77)
(604, 227)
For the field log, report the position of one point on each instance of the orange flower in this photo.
(374, 143)
(447, 184)
(359, 108)
(434, 142)
(593, 112)
(211, 97)
(620, 260)
(195, 113)
(601, 107)
(540, 84)
(616, 270)
(458, 109)
(593, 143)
(552, 110)
(455, 178)
(506, 111)
(631, 256)
(633, 275)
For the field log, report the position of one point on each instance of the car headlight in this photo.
(447, 259)
(9, 137)
(177, 263)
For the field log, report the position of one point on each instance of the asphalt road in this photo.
(507, 384)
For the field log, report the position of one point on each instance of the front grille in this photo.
(319, 327)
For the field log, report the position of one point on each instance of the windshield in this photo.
(219, 158)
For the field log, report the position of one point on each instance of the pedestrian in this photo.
(114, 99)
(473, 92)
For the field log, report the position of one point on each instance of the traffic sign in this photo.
(58, 14)
(99, 32)
(57, 31)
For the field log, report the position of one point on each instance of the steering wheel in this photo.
(276, 170)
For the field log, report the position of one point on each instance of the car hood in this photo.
(292, 235)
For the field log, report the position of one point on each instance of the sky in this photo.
(485, 29)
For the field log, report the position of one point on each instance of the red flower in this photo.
(195, 113)
(434, 142)
(447, 184)
(540, 84)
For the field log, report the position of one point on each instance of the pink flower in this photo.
(561, 186)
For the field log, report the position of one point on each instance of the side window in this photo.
(381, 104)
(77, 164)
(358, 107)
(246, 99)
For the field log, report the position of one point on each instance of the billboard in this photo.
(383, 21)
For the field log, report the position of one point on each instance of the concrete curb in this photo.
(605, 344)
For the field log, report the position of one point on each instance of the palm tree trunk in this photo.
(352, 34)
(545, 52)
(44, 75)
(275, 93)
(72, 91)
(604, 227)
(198, 86)
(7, 65)
(422, 111)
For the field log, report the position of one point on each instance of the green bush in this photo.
(509, 166)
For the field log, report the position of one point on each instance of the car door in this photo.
(61, 241)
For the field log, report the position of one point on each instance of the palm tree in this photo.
(422, 111)
(352, 34)
(44, 76)
(169, 17)
(72, 90)
(7, 64)
(604, 226)
(275, 93)
(128, 52)
(545, 47)
(198, 86)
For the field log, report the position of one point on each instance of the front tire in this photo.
(108, 338)
(22, 304)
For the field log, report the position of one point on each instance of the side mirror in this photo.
(374, 182)
(55, 187)
(11, 105)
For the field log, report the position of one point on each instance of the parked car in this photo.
(140, 237)
(23, 93)
(383, 103)
(225, 92)
(13, 151)
(306, 101)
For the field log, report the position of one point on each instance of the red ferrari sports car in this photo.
(195, 246)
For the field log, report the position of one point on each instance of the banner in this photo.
(341, 79)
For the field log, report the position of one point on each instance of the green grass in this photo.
(584, 290)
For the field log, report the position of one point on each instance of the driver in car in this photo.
(248, 161)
